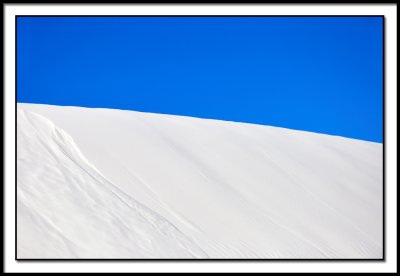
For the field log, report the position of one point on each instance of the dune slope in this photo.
(103, 183)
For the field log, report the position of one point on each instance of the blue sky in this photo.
(319, 74)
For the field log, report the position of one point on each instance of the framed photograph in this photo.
(200, 137)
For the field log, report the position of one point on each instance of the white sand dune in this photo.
(104, 183)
